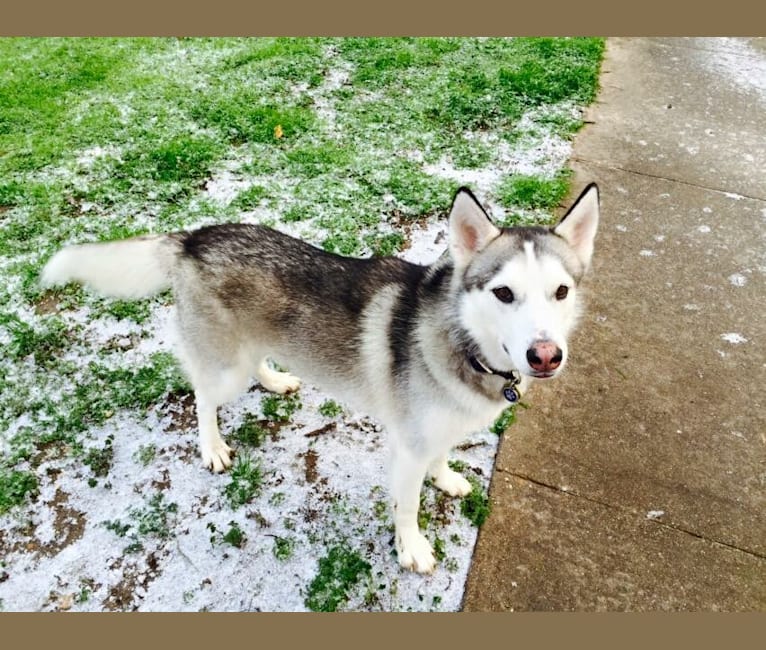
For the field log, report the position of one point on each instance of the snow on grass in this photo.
(122, 516)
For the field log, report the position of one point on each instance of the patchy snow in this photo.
(655, 514)
(426, 243)
(537, 152)
(335, 79)
(79, 563)
(734, 338)
(227, 183)
(80, 547)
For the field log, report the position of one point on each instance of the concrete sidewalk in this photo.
(637, 481)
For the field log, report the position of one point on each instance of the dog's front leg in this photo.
(407, 474)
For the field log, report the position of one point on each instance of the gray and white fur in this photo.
(424, 349)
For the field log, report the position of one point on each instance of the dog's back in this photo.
(282, 292)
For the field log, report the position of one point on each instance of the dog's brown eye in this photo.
(504, 294)
(562, 292)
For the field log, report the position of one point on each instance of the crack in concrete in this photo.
(595, 163)
(627, 509)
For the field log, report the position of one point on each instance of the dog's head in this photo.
(519, 295)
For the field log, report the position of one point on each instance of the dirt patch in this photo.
(68, 526)
(310, 459)
(122, 342)
(68, 523)
(180, 408)
(48, 304)
(49, 451)
(310, 514)
(444, 506)
(259, 519)
(404, 224)
(162, 484)
(22, 540)
(330, 426)
(188, 453)
(122, 596)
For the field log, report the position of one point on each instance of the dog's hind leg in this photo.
(275, 381)
(216, 454)
(214, 384)
(448, 480)
(210, 391)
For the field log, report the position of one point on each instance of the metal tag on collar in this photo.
(511, 392)
(510, 388)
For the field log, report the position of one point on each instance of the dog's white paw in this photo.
(283, 382)
(415, 552)
(277, 382)
(452, 483)
(216, 456)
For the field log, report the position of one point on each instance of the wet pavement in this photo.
(637, 481)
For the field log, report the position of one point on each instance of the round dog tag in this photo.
(511, 394)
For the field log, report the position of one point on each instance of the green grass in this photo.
(146, 454)
(283, 548)
(251, 198)
(250, 433)
(330, 408)
(43, 339)
(505, 420)
(155, 518)
(94, 400)
(139, 311)
(246, 481)
(15, 488)
(475, 506)
(280, 408)
(339, 571)
(87, 397)
(235, 536)
(100, 459)
(534, 193)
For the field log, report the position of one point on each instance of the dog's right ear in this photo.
(470, 229)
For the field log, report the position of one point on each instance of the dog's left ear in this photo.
(470, 229)
(578, 226)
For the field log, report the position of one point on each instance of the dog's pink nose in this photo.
(544, 356)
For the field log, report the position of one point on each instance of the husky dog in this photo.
(433, 352)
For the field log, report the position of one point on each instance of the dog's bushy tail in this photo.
(130, 268)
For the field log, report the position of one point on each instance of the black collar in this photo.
(480, 366)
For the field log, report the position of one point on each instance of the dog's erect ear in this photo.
(470, 229)
(578, 226)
